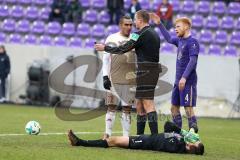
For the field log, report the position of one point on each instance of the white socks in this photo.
(126, 123)
(109, 122)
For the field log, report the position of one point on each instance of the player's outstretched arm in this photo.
(156, 19)
(129, 45)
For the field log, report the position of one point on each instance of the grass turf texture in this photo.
(220, 136)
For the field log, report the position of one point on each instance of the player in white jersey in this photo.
(119, 78)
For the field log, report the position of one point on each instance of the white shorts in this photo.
(121, 93)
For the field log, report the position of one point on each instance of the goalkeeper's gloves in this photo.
(191, 136)
(106, 83)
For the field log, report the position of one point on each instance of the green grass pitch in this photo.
(220, 136)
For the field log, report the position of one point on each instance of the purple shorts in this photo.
(186, 98)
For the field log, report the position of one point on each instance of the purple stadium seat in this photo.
(104, 17)
(127, 4)
(176, 5)
(98, 4)
(98, 31)
(38, 27)
(25, 2)
(181, 15)
(83, 30)
(60, 41)
(203, 7)
(219, 8)
(11, 1)
(155, 4)
(31, 13)
(23, 26)
(227, 23)
(167, 48)
(157, 30)
(53, 28)
(90, 16)
(68, 29)
(212, 22)
(202, 49)
(44, 13)
(8, 25)
(214, 49)
(4, 11)
(2, 37)
(172, 32)
(237, 27)
(188, 7)
(45, 40)
(197, 21)
(75, 42)
(194, 33)
(205, 36)
(112, 29)
(15, 38)
(40, 2)
(17, 12)
(30, 39)
(89, 42)
(49, 2)
(145, 4)
(234, 8)
(221, 37)
(85, 3)
(230, 51)
(235, 38)
(159, 33)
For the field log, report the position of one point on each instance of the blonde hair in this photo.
(184, 20)
(144, 15)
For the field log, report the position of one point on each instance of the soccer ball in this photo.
(32, 128)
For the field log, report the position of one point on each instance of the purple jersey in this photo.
(188, 50)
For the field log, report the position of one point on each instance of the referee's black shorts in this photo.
(142, 142)
(147, 79)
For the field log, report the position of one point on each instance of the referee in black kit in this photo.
(147, 44)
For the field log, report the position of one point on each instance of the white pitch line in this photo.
(46, 134)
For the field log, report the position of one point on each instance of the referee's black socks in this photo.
(141, 122)
(153, 122)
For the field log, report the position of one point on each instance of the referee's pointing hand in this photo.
(99, 47)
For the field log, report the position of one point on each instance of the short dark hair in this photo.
(198, 150)
(144, 15)
(124, 17)
(3, 47)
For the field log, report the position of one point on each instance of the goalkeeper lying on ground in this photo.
(173, 140)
